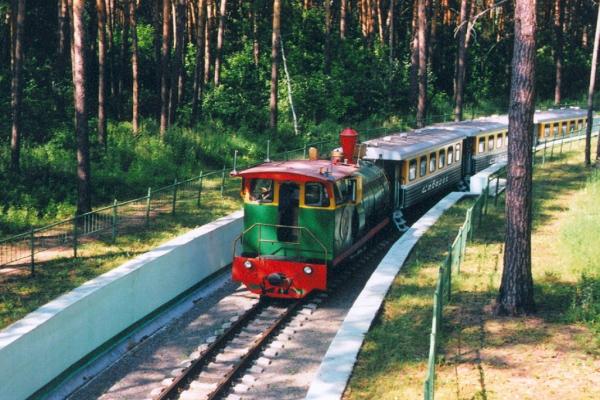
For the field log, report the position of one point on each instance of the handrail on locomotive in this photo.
(297, 243)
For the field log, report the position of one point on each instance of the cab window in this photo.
(412, 170)
(481, 145)
(344, 190)
(457, 154)
(315, 195)
(432, 159)
(261, 190)
(442, 159)
(450, 154)
(423, 166)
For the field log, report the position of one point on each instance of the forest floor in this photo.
(554, 354)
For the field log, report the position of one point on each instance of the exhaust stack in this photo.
(348, 141)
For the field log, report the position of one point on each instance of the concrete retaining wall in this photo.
(38, 348)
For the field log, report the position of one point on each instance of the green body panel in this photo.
(321, 224)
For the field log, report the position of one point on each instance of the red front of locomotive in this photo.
(279, 278)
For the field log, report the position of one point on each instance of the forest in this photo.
(101, 99)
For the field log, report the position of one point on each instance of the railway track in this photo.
(242, 347)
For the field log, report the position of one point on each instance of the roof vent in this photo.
(387, 138)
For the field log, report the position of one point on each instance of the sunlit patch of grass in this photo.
(20, 295)
(482, 357)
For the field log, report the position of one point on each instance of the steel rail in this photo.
(173, 390)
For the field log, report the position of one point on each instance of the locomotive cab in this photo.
(302, 218)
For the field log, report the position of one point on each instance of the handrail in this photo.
(298, 243)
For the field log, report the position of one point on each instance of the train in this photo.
(303, 218)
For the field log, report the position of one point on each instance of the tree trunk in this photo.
(414, 55)
(81, 121)
(17, 84)
(380, 23)
(63, 20)
(461, 60)
(197, 90)
(274, 63)
(558, 50)
(391, 28)
(255, 41)
(176, 65)
(220, 33)
(422, 62)
(123, 56)
(516, 290)
(590, 100)
(343, 8)
(135, 90)
(101, 12)
(164, 67)
(210, 7)
(327, 47)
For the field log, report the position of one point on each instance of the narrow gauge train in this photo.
(303, 217)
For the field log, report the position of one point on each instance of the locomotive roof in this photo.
(300, 170)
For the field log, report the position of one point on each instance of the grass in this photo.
(554, 354)
(19, 295)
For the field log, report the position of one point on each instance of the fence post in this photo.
(450, 268)
(497, 189)
(75, 234)
(148, 199)
(223, 181)
(32, 245)
(114, 221)
(552, 149)
(199, 189)
(487, 194)
(544, 155)
(304, 153)
(174, 197)
(561, 142)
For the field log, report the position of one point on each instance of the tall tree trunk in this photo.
(210, 7)
(220, 33)
(380, 22)
(81, 121)
(461, 61)
(422, 62)
(176, 65)
(590, 100)
(516, 290)
(255, 41)
(558, 49)
(123, 56)
(274, 63)
(327, 47)
(391, 28)
(343, 9)
(164, 67)
(135, 90)
(198, 83)
(414, 55)
(18, 12)
(63, 20)
(101, 11)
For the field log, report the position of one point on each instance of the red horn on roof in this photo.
(348, 140)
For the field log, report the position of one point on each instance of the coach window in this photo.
(546, 130)
(442, 159)
(482, 144)
(564, 128)
(450, 154)
(412, 170)
(315, 195)
(491, 143)
(572, 127)
(457, 154)
(423, 166)
(556, 129)
(432, 159)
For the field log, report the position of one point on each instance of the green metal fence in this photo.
(443, 289)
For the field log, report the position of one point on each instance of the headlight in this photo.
(307, 270)
(248, 264)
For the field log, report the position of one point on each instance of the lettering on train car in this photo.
(436, 183)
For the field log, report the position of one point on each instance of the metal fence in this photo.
(456, 251)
